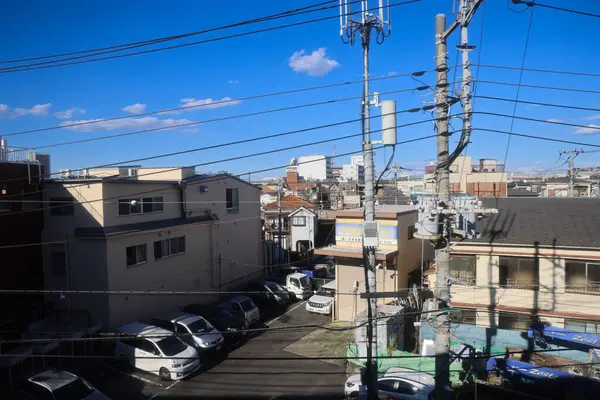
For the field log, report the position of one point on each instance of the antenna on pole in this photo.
(380, 20)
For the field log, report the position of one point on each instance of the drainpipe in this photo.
(182, 199)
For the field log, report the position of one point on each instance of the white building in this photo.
(354, 172)
(157, 229)
(316, 167)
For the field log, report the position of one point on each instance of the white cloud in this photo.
(192, 104)
(591, 128)
(233, 81)
(124, 124)
(136, 108)
(39, 110)
(315, 64)
(69, 113)
(592, 117)
(556, 120)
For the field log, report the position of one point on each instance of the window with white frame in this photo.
(582, 326)
(299, 221)
(169, 247)
(145, 205)
(232, 200)
(582, 276)
(136, 254)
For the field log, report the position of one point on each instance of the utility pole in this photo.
(442, 178)
(364, 23)
(442, 182)
(572, 153)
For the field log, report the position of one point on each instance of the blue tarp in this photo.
(586, 339)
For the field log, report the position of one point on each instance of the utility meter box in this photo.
(370, 237)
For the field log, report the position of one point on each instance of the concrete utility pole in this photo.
(442, 182)
(442, 177)
(364, 22)
(572, 154)
(279, 222)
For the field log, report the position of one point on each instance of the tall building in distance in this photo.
(317, 167)
(355, 171)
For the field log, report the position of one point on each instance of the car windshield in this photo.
(304, 281)
(247, 304)
(171, 346)
(273, 287)
(76, 390)
(201, 325)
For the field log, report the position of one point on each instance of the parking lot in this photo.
(240, 372)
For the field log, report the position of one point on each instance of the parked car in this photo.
(243, 306)
(228, 323)
(298, 285)
(56, 384)
(192, 329)
(396, 383)
(322, 301)
(268, 293)
(156, 350)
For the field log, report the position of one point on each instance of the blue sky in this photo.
(265, 63)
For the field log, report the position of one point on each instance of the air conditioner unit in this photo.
(132, 172)
(84, 173)
(65, 173)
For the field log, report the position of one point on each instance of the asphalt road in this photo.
(239, 374)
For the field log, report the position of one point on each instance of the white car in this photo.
(396, 383)
(156, 350)
(322, 301)
(56, 384)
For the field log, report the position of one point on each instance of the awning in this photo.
(356, 253)
(566, 335)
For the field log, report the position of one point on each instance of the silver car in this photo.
(192, 329)
(396, 383)
(57, 384)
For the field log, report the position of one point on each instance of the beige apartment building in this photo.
(538, 259)
(147, 230)
(398, 254)
(486, 178)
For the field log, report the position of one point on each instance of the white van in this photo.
(322, 301)
(299, 285)
(156, 350)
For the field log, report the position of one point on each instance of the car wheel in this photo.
(164, 373)
(353, 395)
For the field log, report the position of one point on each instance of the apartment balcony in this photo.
(521, 284)
(584, 288)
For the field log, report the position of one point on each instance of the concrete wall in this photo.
(409, 251)
(168, 173)
(192, 270)
(89, 213)
(307, 232)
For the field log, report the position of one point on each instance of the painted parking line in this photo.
(172, 384)
(141, 378)
(287, 312)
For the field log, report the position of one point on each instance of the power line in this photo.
(568, 10)
(412, 110)
(224, 177)
(540, 103)
(539, 86)
(222, 102)
(548, 71)
(537, 137)
(127, 46)
(197, 42)
(544, 121)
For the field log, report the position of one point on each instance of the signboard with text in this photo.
(349, 232)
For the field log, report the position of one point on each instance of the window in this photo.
(145, 205)
(582, 276)
(136, 254)
(61, 206)
(5, 206)
(463, 269)
(411, 232)
(59, 263)
(180, 328)
(294, 282)
(298, 221)
(232, 200)
(516, 322)
(465, 316)
(169, 247)
(518, 273)
(583, 326)
(147, 346)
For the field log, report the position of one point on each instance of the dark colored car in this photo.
(225, 321)
(268, 294)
